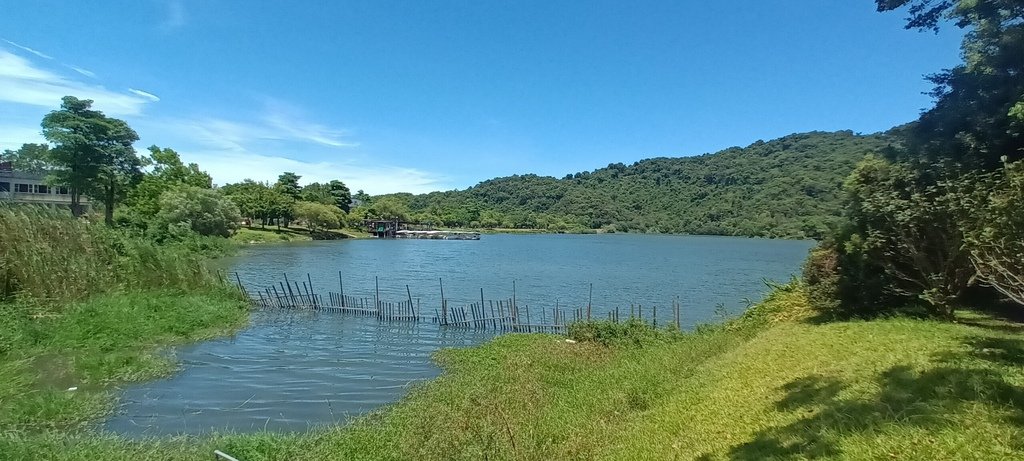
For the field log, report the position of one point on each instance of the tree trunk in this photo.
(76, 203)
(108, 214)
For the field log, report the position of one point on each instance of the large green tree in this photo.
(92, 154)
(166, 172)
(288, 184)
(342, 195)
(978, 117)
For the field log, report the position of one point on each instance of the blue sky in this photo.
(433, 95)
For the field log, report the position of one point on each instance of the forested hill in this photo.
(788, 187)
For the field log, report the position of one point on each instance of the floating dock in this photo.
(437, 235)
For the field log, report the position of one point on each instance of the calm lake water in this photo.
(291, 370)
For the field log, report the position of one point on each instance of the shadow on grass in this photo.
(905, 396)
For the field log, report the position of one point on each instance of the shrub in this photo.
(633, 332)
(204, 211)
(821, 275)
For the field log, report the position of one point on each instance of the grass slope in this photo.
(768, 386)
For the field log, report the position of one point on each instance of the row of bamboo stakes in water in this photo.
(500, 315)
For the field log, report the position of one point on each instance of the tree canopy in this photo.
(92, 154)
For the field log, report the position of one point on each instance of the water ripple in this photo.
(292, 370)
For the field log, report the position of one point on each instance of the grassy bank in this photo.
(253, 235)
(84, 307)
(772, 385)
(107, 339)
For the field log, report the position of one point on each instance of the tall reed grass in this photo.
(47, 255)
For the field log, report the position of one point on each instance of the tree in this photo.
(259, 201)
(167, 172)
(92, 154)
(388, 207)
(204, 211)
(908, 227)
(995, 234)
(30, 158)
(361, 198)
(342, 196)
(288, 184)
(318, 216)
(979, 105)
(317, 193)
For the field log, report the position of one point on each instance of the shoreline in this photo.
(643, 393)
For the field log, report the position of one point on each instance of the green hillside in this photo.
(787, 187)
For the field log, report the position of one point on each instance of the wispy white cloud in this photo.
(23, 83)
(228, 167)
(307, 131)
(290, 120)
(30, 50)
(85, 72)
(13, 136)
(232, 151)
(144, 94)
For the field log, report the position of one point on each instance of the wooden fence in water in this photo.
(504, 315)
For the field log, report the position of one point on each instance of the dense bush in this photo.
(822, 276)
(203, 211)
(995, 236)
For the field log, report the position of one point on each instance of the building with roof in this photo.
(24, 187)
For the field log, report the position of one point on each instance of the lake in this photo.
(291, 370)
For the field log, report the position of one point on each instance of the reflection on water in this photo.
(295, 369)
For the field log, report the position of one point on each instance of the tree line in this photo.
(787, 187)
(156, 193)
(937, 221)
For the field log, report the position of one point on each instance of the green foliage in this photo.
(789, 187)
(48, 255)
(203, 211)
(394, 206)
(92, 154)
(822, 275)
(907, 225)
(994, 234)
(633, 332)
(260, 202)
(317, 193)
(167, 172)
(318, 216)
(30, 158)
(288, 184)
(333, 193)
(939, 214)
(342, 196)
(977, 118)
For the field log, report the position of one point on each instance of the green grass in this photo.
(48, 256)
(113, 338)
(291, 234)
(770, 385)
